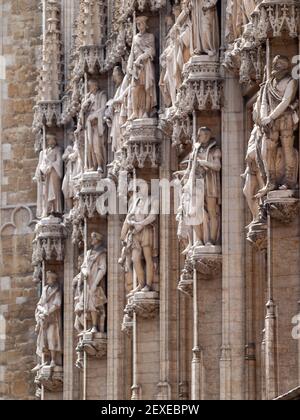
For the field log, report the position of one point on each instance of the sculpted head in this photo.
(51, 278)
(93, 85)
(96, 239)
(204, 135)
(281, 65)
(118, 75)
(51, 141)
(141, 23)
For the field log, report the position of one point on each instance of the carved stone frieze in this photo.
(273, 17)
(202, 85)
(146, 304)
(142, 144)
(49, 240)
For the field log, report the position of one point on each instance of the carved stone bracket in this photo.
(130, 6)
(186, 283)
(50, 378)
(207, 260)
(202, 85)
(257, 235)
(146, 304)
(272, 17)
(142, 143)
(283, 206)
(127, 325)
(94, 344)
(50, 234)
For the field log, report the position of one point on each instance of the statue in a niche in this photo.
(277, 116)
(48, 177)
(78, 287)
(200, 209)
(48, 323)
(141, 72)
(206, 33)
(139, 239)
(73, 169)
(91, 119)
(179, 49)
(94, 271)
(116, 115)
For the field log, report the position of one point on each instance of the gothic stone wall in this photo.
(19, 39)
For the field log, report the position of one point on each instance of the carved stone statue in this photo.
(48, 176)
(141, 72)
(94, 271)
(139, 240)
(73, 168)
(277, 117)
(48, 323)
(91, 119)
(179, 49)
(238, 14)
(206, 31)
(78, 287)
(199, 213)
(116, 115)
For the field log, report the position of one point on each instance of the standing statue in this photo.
(48, 323)
(238, 14)
(179, 49)
(201, 193)
(139, 239)
(73, 169)
(48, 176)
(141, 72)
(78, 287)
(277, 116)
(91, 119)
(206, 31)
(115, 116)
(94, 271)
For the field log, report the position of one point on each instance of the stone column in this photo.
(232, 367)
(116, 298)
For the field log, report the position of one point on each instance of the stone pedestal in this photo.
(142, 143)
(94, 344)
(207, 260)
(49, 240)
(51, 382)
(88, 194)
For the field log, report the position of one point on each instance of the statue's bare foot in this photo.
(94, 330)
(100, 170)
(138, 289)
(133, 117)
(147, 288)
(146, 115)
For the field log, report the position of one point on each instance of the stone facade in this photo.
(187, 290)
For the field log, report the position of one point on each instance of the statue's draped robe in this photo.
(95, 267)
(206, 32)
(49, 330)
(144, 75)
(49, 174)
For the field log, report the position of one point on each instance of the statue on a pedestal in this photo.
(48, 323)
(206, 33)
(141, 72)
(116, 115)
(200, 210)
(91, 119)
(94, 271)
(278, 118)
(48, 176)
(139, 239)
